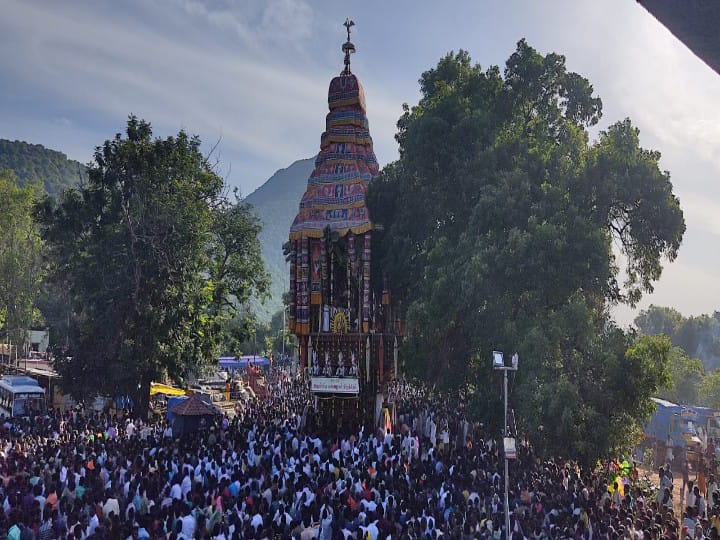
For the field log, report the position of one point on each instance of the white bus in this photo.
(21, 396)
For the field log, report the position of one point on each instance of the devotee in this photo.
(267, 473)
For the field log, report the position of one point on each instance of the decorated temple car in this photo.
(340, 306)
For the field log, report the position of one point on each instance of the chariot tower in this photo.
(340, 314)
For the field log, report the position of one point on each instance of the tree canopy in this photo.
(154, 257)
(695, 358)
(499, 221)
(686, 377)
(698, 336)
(709, 390)
(21, 269)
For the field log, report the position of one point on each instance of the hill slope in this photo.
(276, 204)
(35, 163)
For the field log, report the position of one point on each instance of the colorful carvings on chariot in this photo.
(334, 204)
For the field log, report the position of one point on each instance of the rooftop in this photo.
(694, 22)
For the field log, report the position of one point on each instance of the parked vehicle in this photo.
(707, 424)
(21, 395)
(672, 433)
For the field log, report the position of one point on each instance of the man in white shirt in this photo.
(257, 521)
(368, 506)
(373, 530)
(111, 505)
(176, 491)
(94, 522)
(690, 495)
(186, 484)
(282, 517)
(188, 525)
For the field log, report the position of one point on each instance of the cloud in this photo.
(701, 213)
(671, 93)
(290, 18)
(689, 288)
(276, 22)
(255, 75)
(272, 112)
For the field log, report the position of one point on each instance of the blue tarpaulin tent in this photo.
(171, 402)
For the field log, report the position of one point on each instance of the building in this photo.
(38, 340)
(339, 306)
(37, 343)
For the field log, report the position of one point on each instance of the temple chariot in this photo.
(340, 306)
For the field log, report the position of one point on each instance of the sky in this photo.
(250, 78)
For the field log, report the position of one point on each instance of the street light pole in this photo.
(283, 336)
(499, 364)
(507, 476)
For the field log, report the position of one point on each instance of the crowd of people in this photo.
(267, 474)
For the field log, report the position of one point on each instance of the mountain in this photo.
(35, 163)
(276, 204)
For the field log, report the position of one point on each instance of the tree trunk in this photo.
(142, 403)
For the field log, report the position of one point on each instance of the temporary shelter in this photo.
(191, 415)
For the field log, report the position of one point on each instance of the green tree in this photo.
(154, 258)
(595, 405)
(262, 338)
(659, 320)
(21, 269)
(686, 374)
(499, 220)
(709, 390)
(279, 333)
(698, 336)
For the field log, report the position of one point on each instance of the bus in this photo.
(21, 395)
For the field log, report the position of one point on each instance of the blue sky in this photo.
(253, 75)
